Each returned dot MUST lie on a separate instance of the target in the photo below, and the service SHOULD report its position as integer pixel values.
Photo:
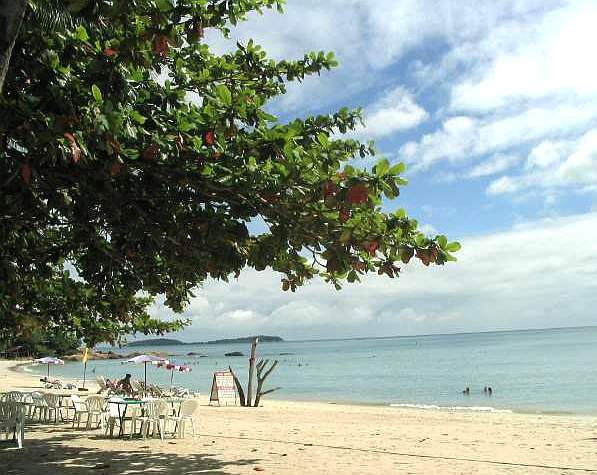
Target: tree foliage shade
(134, 152)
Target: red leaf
(434, 254)
(358, 265)
(424, 255)
(115, 169)
(70, 137)
(406, 255)
(152, 152)
(26, 173)
(358, 194)
(209, 137)
(110, 52)
(161, 46)
(74, 148)
(372, 248)
(344, 215)
(329, 189)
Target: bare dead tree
(262, 374)
(251, 371)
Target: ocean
(538, 371)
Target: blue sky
(493, 106)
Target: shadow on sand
(61, 454)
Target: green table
(123, 404)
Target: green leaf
(420, 240)
(346, 236)
(398, 169)
(453, 247)
(442, 241)
(81, 33)
(224, 94)
(382, 167)
(137, 117)
(97, 94)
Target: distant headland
(170, 341)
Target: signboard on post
(223, 390)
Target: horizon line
(421, 335)
(574, 327)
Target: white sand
(317, 438)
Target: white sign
(223, 390)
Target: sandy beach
(315, 438)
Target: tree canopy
(139, 159)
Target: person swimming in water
(466, 391)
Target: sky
(493, 107)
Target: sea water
(529, 371)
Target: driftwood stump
(262, 373)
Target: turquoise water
(529, 371)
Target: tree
(11, 16)
(133, 153)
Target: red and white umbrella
(172, 366)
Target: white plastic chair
(96, 405)
(12, 419)
(12, 396)
(27, 402)
(80, 410)
(187, 411)
(52, 406)
(39, 405)
(155, 415)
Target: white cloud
(453, 141)
(394, 112)
(545, 154)
(463, 138)
(496, 164)
(532, 276)
(368, 37)
(555, 165)
(504, 184)
(534, 61)
(525, 82)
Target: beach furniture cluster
(148, 411)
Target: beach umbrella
(146, 359)
(49, 360)
(172, 366)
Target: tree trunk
(261, 377)
(11, 17)
(239, 388)
(251, 372)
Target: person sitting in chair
(125, 384)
